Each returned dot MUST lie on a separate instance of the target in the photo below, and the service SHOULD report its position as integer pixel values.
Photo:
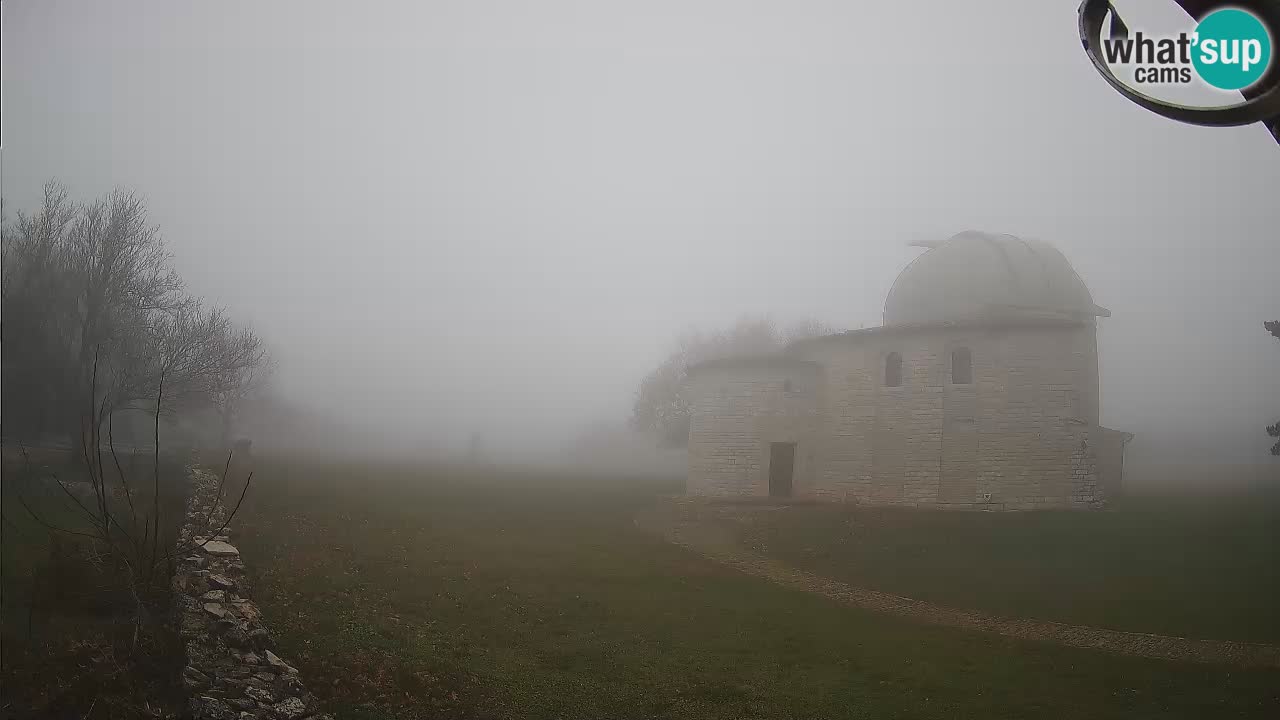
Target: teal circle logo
(1232, 49)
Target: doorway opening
(782, 465)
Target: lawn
(1191, 565)
(416, 592)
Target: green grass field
(1191, 565)
(408, 592)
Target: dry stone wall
(232, 672)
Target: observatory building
(979, 391)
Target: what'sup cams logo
(1230, 49)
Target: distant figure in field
(475, 452)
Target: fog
(451, 217)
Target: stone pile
(231, 672)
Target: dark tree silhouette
(94, 315)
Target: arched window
(893, 370)
(961, 366)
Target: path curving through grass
(688, 529)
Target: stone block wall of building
(1016, 436)
(738, 412)
(1022, 434)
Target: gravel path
(717, 543)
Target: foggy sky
(447, 216)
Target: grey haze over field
(496, 215)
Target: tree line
(96, 321)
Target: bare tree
(241, 385)
(127, 297)
(121, 517)
(95, 321)
(37, 302)
(97, 311)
